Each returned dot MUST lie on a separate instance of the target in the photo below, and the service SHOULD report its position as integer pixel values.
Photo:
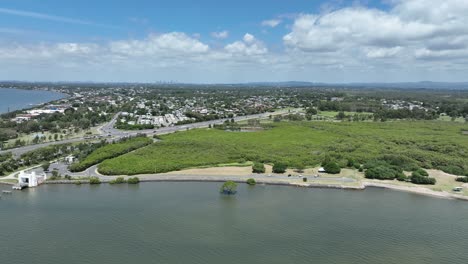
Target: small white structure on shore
(322, 170)
(31, 179)
(70, 159)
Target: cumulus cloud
(171, 43)
(411, 40)
(248, 46)
(410, 24)
(220, 35)
(173, 55)
(271, 23)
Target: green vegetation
(279, 167)
(110, 151)
(408, 145)
(94, 180)
(463, 179)
(134, 180)
(229, 188)
(420, 173)
(418, 179)
(384, 172)
(251, 181)
(332, 167)
(258, 168)
(118, 180)
(45, 166)
(125, 126)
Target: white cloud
(378, 53)
(411, 29)
(249, 38)
(271, 23)
(174, 43)
(220, 35)
(248, 46)
(412, 40)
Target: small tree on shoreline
(134, 180)
(229, 188)
(94, 180)
(251, 181)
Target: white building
(31, 179)
(70, 159)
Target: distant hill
(412, 85)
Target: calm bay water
(192, 223)
(16, 99)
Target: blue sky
(233, 41)
(111, 19)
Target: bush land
(110, 151)
(407, 145)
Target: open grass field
(430, 144)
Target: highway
(108, 131)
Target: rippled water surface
(14, 99)
(192, 223)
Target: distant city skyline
(210, 41)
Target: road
(110, 132)
(109, 129)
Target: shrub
(332, 167)
(134, 180)
(351, 163)
(400, 161)
(361, 169)
(421, 172)
(279, 167)
(45, 166)
(401, 177)
(423, 180)
(258, 167)
(78, 182)
(300, 168)
(383, 173)
(452, 169)
(94, 180)
(462, 179)
(118, 180)
(251, 181)
(375, 163)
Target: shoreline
(41, 104)
(347, 180)
(239, 179)
(415, 190)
